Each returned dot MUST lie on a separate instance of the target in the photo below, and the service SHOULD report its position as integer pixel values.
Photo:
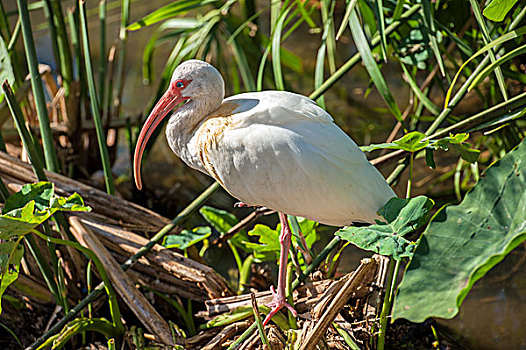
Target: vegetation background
(434, 89)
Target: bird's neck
(184, 123)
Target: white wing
(285, 153)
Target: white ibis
(274, 149)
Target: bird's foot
(241, 205)
(277, 303)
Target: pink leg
(278, 300)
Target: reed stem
(101, 137)
(38, 91)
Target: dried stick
(365, 272)
(135, 300)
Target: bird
(274, 149)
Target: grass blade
(64, 52)
(178, 26)
(102, 50)
(347, 338)
(261, 69)
(27, 139)
(242, 64)
(327, 10)
(121, 57)
(43, 267)
(259, 322)
(370, 64)
(101, 137)
(430, 24)
(494, 65)
(173, 9)
(12, 334)
(357, 57)
(381, 27)
(487, 39)
(419, 94)
(398, 9)
(38, 91)
(320, 59)
(345, 21)
(494, 44)
(304, 14)
(466, 49)
(112, 296)
(48, 13)
(275, 50)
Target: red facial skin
(171, 98)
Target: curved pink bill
(168, 101)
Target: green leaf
(221, 220)
(406, 215)
(224, 319)
(456, 143)
(40, 192)
(384, 243)
(411, 142)
(173, 9)
(498, 9)
(21, 221)
(11, 254)
(465, 241)
(72, 203)
(402, 216)
(186, 238)
(466, 152)
(370, 64)
(268, 248)
(430, 160)
(32, 205)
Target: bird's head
(192, 80)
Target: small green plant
(21, 214)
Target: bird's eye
(179, 84)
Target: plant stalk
(38, 91)
(102, 51)
(392, 275)
(63, 47)
(101, 137)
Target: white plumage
(285, 153)
(273, 148)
